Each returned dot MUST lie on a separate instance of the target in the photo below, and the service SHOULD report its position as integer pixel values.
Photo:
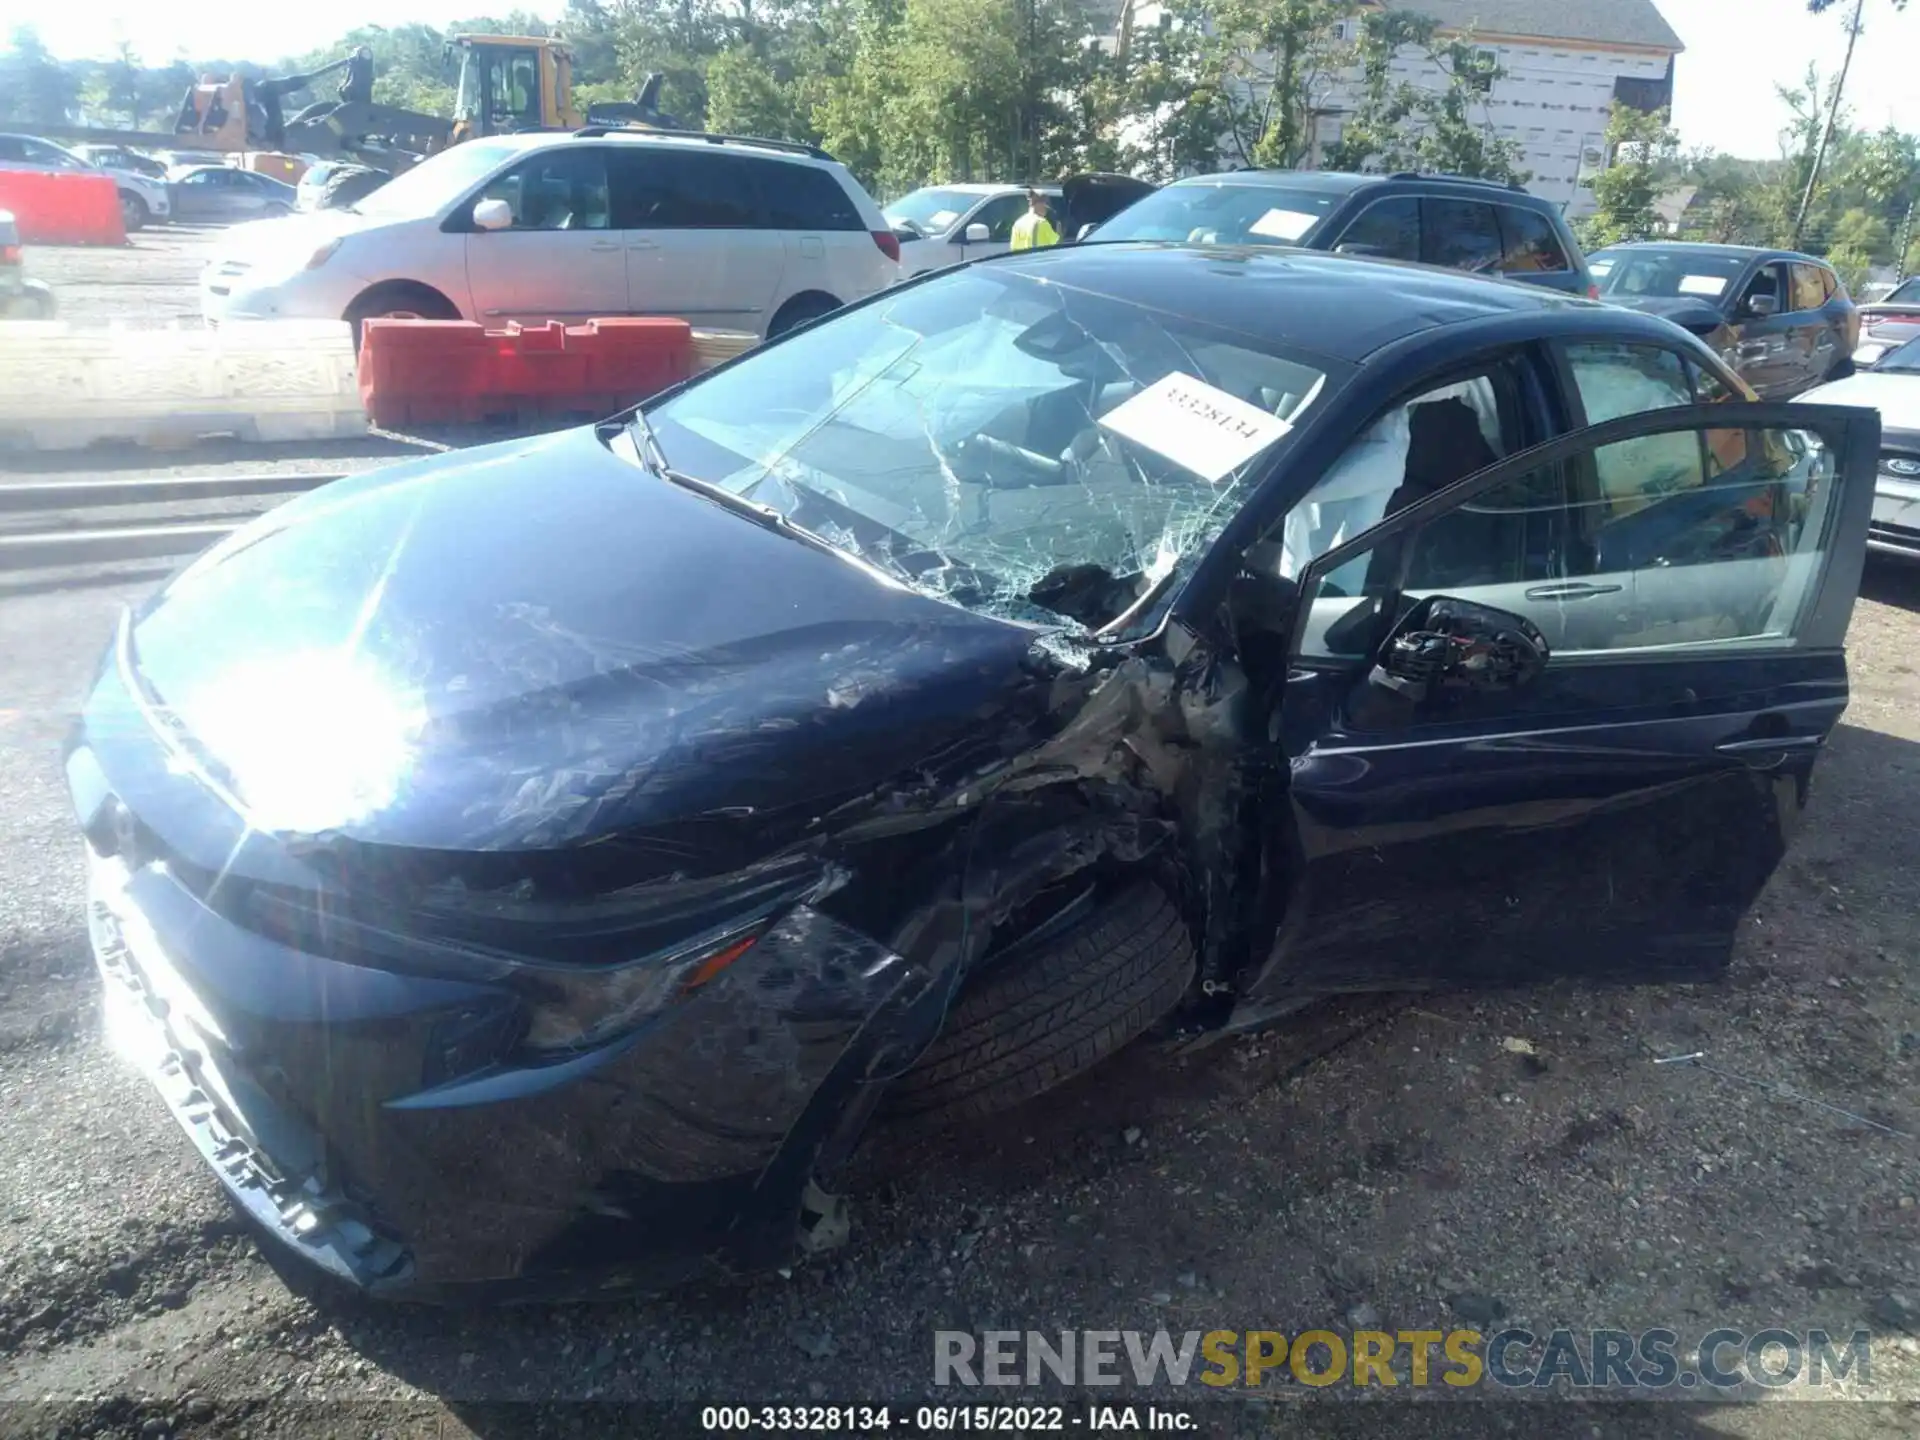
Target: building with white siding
(1566, 61)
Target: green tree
(1643, 153)
(1402, 124)
(35, 88)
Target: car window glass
(1808, 292)
(1531, 247)
(666, 188)
(1462, 235)
(999, 215)
(1412, 450)
(1720, 552)
(1829, 283)
(1708, 387)
(1389, 228)
(801, 197)
(11, 148)
(1615, 380)
(556, 190)
(1769, 280)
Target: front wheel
(1029, 1023)
(134, 213)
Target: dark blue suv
(1475, 225)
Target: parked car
(119, 157)
(531, 869)
(142, 200)
(947, 224)
(332, 184)
(1888, 323)
(730, 233)
(20, 298)
(227, 193)
(1474, 225)
(1782, 319)
(1892, 388)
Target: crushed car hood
(1686, 310)
(540, 643)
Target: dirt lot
(1407, 1166)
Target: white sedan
(1893, 388)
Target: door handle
(641, 245)
(1571, 590)
(606, 245)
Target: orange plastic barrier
(415, 372)
(63, 209)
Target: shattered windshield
(1015, 446)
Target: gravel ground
(1516, 1157)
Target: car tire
(1025, 1027)
(401, 299)
(134, 214)
(800, 310)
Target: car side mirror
(493, 215)
(1761, 306)
(975, 234)
(1449, 645)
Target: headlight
(320, 256)
(585, 1008)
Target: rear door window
(1531, 246)
(1808, 292)
(1462, 235)
(665, 188)
(801, 197)
(1387, 227)
(999, 215)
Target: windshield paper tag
(1701, 284)
(1191, 423)
(1283, 224)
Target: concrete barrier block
(63, 388)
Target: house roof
(1596, 22)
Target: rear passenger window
(1388, 227)
(662, 188)
(1808, 292)
(800, 197)
(1532, 248)
(999, 216)
(1462, 235)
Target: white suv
(142, 198)
(729, 233)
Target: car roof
(1346, 182)
(1342, 306)
(1723, 252)
(683, 139)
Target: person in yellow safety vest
(1033, 230)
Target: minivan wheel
(134, 214)
(799, 311)
(420, 301)
(1023, 1027)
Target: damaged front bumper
(686, 1146)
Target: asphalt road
(1516, 1159)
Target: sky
(1737, 50)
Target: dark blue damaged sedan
(531, 871)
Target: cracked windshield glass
(1021, 448)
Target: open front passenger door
(1560, 717)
